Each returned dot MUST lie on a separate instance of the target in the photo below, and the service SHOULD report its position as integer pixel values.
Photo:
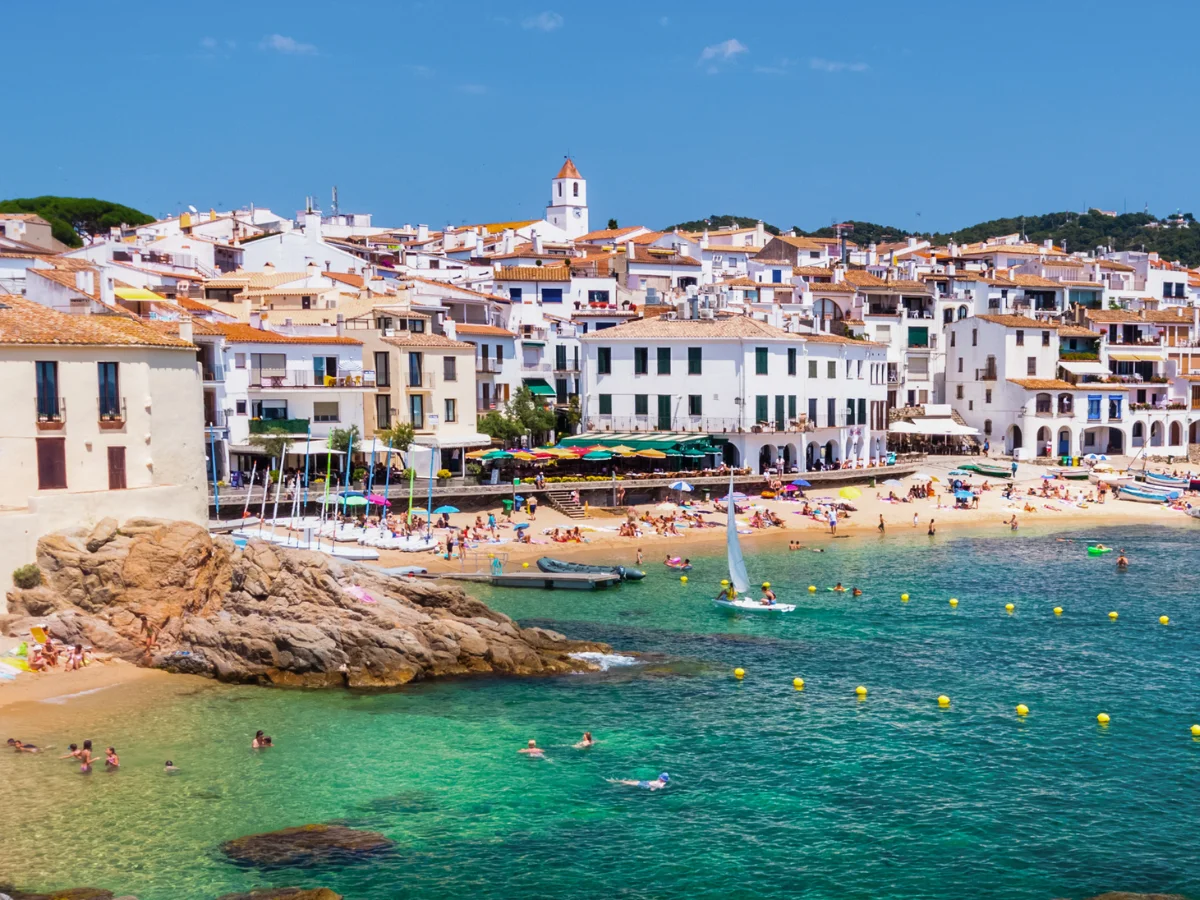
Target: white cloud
(724, 51)
(209, 43)
(544, 21)
(782, 67)
(473, 88)
(829, 65)
(664, 21)
(281, 43)
(421, 71)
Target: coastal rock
(169, 595)
(67, 894)
(306, 845)
(287, 893)
(1125, 895)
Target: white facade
(568, 209)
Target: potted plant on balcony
(443, 477)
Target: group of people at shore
(46, 656)
(86, 756)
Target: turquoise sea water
(774, 793)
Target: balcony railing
(285, 426)
(211, 373)
(424, 380)
(985, 374)
(51, 413)
(488, 366)
(111, 412)
(535, 366)
(305, 380)
(214, 418)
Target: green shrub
(27, 577)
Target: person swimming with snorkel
(657, 784)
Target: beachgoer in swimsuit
(1122, 562)
(259, 742)
(932, 530)
(85, 759)
(838, 588)
(170, 768)
(73, 754)
(21, 747)
(533, 751)
(111, 760)
(586, 741)
(857, 592)
(768, 595)
(656, 784)
(881, 526)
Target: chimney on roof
(422, 232)
(341, 325)
(185, 329)
(704, 240)
(912, 242)
(683, 249)
(256, 319)
(760, 234)
(506, 243)
(312, 270)
(872, 254)
(269, 265)
(537, 243)
(449, 239)
(450, 328)
(312, 223)
(628, 253)
(478, 244)
(1048, 244)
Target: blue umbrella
(445, 509)
(681, 486)
(800, 482)
(963, 495)
(520, 526)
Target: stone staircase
(565, 503)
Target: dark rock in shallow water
(1125, 895)
(67, 894)
(306, 845)
(286, 893)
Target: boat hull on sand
(560, 566)
(1166, 481)
(1142, 496)
(746, 604)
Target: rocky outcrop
(68, 894)
(167, 594)
(287, 893)
(305, 846)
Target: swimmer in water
(586, 741)
(1122, 561)
(857, 592)
(85, 759)
(838, 588)
(22, 747)
(260, 741)
(657, 784)
(112, 762)
(533, 751)
(170, 768)
(73, 752)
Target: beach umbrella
(445, 509)
(666, 506)
(800, 482)
(963, 495)
(378, 500)
(478, 454)
(735, 496)
(543, 454)
(921, 476)
(1049, 477)
(895, 482)
(598, 454)
(790, 488)
(651, 454)
(355, 501)
(496, 454)
(622, 449)
(960, 472)
(520, 525)
(681, 486)
(849, 493)
(419, 511)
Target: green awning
(538, 387)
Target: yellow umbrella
(849, 493)
(477, 454)
(622, 449)
(651, 454)
(523, 456)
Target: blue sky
(924, 115)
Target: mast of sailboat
(737, 564)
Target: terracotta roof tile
(823, 287)
(426, 339)
(238, 333)
(662, 256)
(1112, 315)
(1175, 315)
(482, 330)
(456, 287)
(345, 278)
(1037, 281)
(608, 234)
(1076, 331)
(864, 279)
(24, 321)
(568, 170)
(1054, 384)
(534, 273)
(813, 271)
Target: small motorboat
(1103, 473)
(991, 470)
(1167, 481)
(560, 566)
(1152, 488)
(1072, 473)
(748, 604)
(1140, 495)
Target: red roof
(568, 170)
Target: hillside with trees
(712, 223)
(71, 216)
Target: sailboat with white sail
(732, 595)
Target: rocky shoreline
(169, 595)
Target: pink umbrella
(378, 500)
(788, 488)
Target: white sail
(737, 565)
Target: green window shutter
(791, 406)
(641, 360)
(694, 360)
(606, 404)
(779, 411)
(604, 360)
(760, 408)
(791, 360)
(695, 405)
(812, 368)
(760, 360)
(664, 360)
(641, 404)
(833, 368)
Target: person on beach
(639, 556)
(1012, 524)
(112, 762)
(881, 525)
(833, 521)
(533, 751)
(586, 741)
(916, 520)
(1122, 561)
(22, 747)
(85, 759)
(932, 530)
(656, 784)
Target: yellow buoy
(1102, 718)
(683, 578)
(739, 673)
(798, 683)
(1022, 709)
(524, 565)
(1058, 610)
(860, 691)
(1164, 620)
(1009, 607)
(1113, 615)
(943, 700)
(812, 588)
(953, 602)
(1196, 731)
(904, 598)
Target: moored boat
(1166, 481)
(559, 566)
(1140, 495)
(992, 471)
(1073, 473)
(1103, 473)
